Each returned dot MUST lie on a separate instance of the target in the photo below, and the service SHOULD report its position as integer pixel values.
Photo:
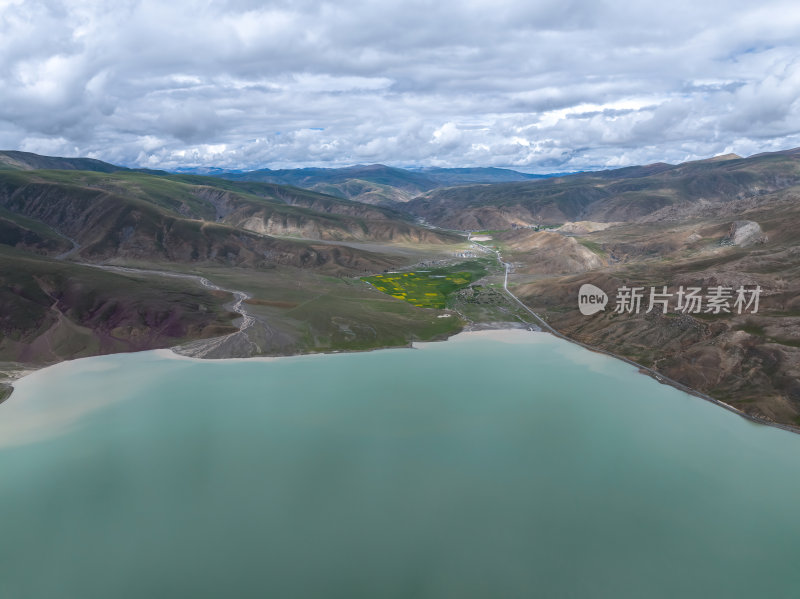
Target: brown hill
(657, 192)
(749, 360)
(549, 253)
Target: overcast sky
(543, 86)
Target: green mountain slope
(27, 161)
(139, 216)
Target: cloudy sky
(539, 85)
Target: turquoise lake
(492, 465)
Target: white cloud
(546, 85)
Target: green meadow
(426, 288)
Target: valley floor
(278, 311)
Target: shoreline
(170, 353)
(497, 334)
(13, 374)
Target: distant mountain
(308, 177)
(372, 184)
(366, 192)
(211, 171)
(26, 161)
(655, 192)
(447, 177)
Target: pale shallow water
(491, 465)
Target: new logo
(591, 299)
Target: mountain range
(374, 183)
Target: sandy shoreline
(509, 335)
(506, 335)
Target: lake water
(493, 465)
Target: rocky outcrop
(744, 233)
(584, 226)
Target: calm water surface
(513, 465)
